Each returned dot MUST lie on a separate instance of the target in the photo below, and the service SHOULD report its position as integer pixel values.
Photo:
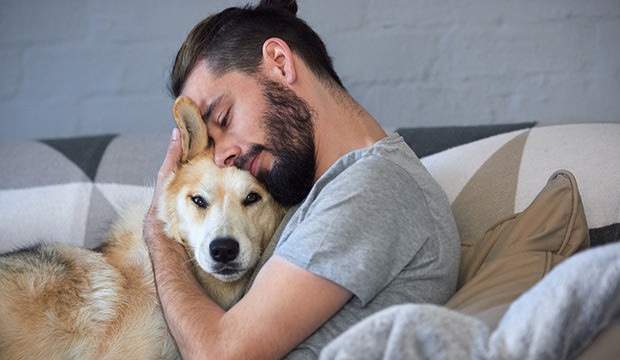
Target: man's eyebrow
(211, 107)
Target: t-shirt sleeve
(362, 228)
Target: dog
(59, 301)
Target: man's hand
(153, 227)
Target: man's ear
(278, 60)
(193, 130)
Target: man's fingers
(173, 156)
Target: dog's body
(64, 302)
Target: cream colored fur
(64, 302)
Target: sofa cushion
(495, 177)
(499, 176)
(519, 250)
(69, 190)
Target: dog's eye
(200, 201)
(251, 199)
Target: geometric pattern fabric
(498, 176)
(479, 211)
(69, 190)
(84, 152)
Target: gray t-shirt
(377, 224)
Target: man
(373, 228)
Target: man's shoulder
(387, 163)
(371, 181)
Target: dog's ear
(193, 130)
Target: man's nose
(226, 156)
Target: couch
(526, 197)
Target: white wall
(81, 67)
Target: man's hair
(233, 40)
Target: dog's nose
(224, 249)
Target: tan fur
(64, 302)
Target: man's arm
(284, 306)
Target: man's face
(260, 126)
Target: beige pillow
(519, 250)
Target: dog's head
(223, 216)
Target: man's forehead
(207, 88)
(198, 82)
(203, 90)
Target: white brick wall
(76, 67)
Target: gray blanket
(555, 319)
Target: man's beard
(290, 139)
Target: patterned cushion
(68, 190)
(495, 177)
